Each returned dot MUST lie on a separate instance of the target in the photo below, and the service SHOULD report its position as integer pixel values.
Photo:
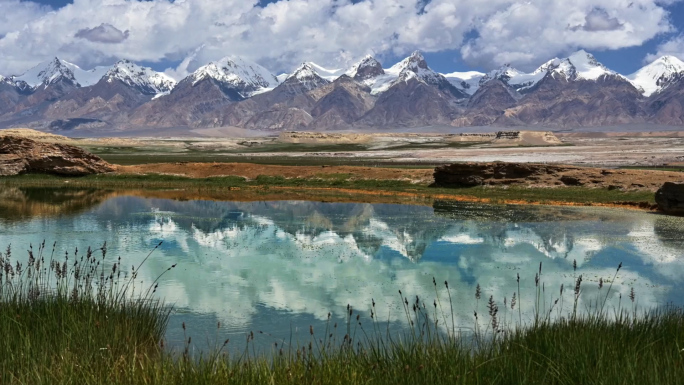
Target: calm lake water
(281, 266)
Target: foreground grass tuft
(77, 322)
(73, 321)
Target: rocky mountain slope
(576, 91)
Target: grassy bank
(77, 322)
(329, 186)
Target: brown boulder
(670, 198)
(21, 155)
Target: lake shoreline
(355, 184)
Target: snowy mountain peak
(504, 73)
(238, 73)
(582, 56)
(304, 72)
(307, 77)
(671, 61)
(657, 75)
(144, 79)
(582, 65)
(413, 66)
(417, 57)
(47, 73)
(53, 71)
(415, 63)
(365, 69)
(548, 66)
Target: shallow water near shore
(279, 267)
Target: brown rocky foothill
(22, 155)
(545, 175)
(670, 198)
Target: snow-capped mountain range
(245, 74)
(408, 93)
(581, 65)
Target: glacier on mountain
(657, 75)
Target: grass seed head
(578, 285)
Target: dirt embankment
(544, 175)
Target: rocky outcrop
(670, 198)
(544, 175)
(497, 173)
(21, 155)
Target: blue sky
(462, 50)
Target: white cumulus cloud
(330, 32)
(674, 47)
(525, 34)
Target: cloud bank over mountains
(283, 33)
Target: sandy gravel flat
(600, 152)
(601, 149)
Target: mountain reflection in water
(275, 265)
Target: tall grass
(77, 322)
(71, 318)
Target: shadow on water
(18, 203)
(517, 213)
